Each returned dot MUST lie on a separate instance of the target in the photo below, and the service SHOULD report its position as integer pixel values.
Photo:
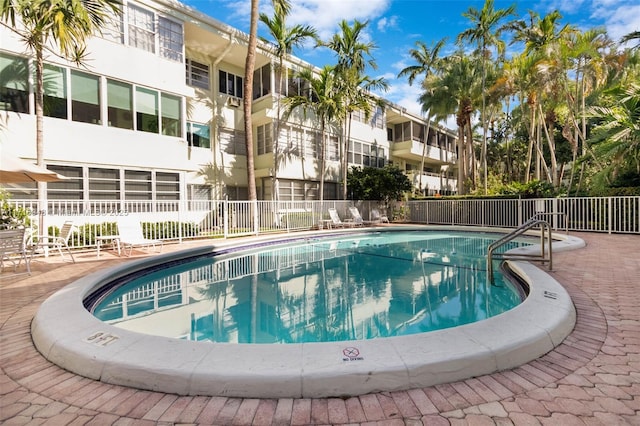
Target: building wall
(221, 48)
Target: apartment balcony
(411, 150)
(432, 182)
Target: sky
(394, 26)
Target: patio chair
(335, 219)
(56, 242)
(357, 217)
(377, 217)
(130, 235)
(13, 249)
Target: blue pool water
(357, 286)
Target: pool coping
(86, 346)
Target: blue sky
(395, 25)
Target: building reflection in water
(358, 287)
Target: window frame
(16, 98)
(197, 74)
(227, 79)
(81, 111)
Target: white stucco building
(159, 101)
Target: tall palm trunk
(275, 188)
(549, 129)
(532, 106)
(424, 150)
(461, 152)
(247, 103)
(42, 186)
(472, 165)
(322, 160)
(345, 155)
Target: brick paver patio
(593, 378)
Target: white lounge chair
(357, 217)
(13, 249)
(336, 221)
(376, 217)
(56, 243)
(130, 235)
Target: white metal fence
(595, 214)
(178, 220)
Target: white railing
(179, 220)
(595, 214)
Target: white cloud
(623, 21)
(325, 15)
(387, 23)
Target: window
(366, 156)
(311, 144)
(146, 110)
(120, 104)
(377, 120)
(197, 74)
(170, 39)
(235, 193)
(141, 28)
(358, 115)
(167, 186)
(171, 123)
(85, 97)
(104, 184)
(14, 85)
(262, 81)
(231, 84)
(355, 152)
(55, 91)
(381, 158)
(417, 132)
(294, 145)
(297, 190)
(265, 139)
(113, 28)
(232, 142)
(199, 192)
(198, 135)
(137, 185)
(68, 189)
(332, 149)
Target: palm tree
(616, 139)
(589, 53)
(543, 45)
(324, 100)
(247, 102)
(456, 90)
(66, 25)
(427, 60)
(285, 39)
(353, 57)
(486, 29)
(635, 35)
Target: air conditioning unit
(233, 102)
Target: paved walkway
(593, 378)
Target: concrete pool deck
(593, 377)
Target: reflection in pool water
(357, 286)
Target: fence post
(181, 206)
(609, 213)
(519, 211)
(225, 217)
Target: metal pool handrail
(544, 256)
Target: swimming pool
(68, 335)
(361, 286)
